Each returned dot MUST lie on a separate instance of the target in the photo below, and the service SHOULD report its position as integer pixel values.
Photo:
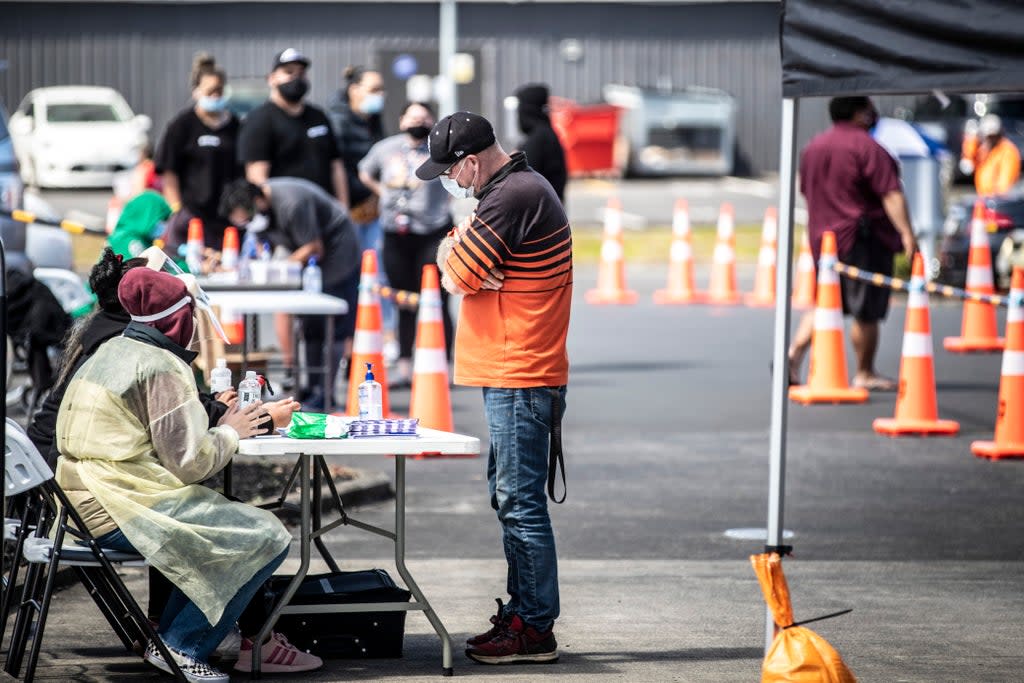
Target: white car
(76, 136)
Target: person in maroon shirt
(852, 187)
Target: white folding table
(310, 470)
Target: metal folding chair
(25, 470)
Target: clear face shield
(207, 324)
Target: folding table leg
(320, 472)
(435, 621)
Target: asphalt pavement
(666, 437)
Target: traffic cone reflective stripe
(611, 275)
(722, 288)
(979, 331)
(430, 400)
(367, 343)
(916, 403)
(767, 258)
(803, 294)
(827, 380)
(1009, 432)
(680, 288)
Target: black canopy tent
(868, 47)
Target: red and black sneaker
(500, 623)
(517, 644)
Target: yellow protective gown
(134, 443)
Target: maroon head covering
(159, 300)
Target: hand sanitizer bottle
(371, 397)
(220, 377)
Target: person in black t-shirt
(286, 136)
(198, 156)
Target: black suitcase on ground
(339, 635)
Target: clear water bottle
(312, 277)
(248, 389)
(371, 397)
(220, 377)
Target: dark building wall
(145, 50)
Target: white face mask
(372, 103)
(258, 223)
(453, 187)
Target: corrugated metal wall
(145, 51)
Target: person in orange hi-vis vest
(994, 160)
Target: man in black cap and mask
(287, 136)
(511, 259)
(543, 150)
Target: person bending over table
(298, 216)
(134, 442)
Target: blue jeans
(520, 423)
(183, 626)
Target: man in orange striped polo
(512, 262)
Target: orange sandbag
(798, 654)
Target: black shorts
(866, 302)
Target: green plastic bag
(318, 426)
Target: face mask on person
(294, 90)
(212, 105)
(418, 132)
(372, 103)
(453, 187)
(258, 223)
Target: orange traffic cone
(233, 324)
(611, 276)
(827, 380)
(722, 289)
(979, 331)
(764, 282)
(1009, 439)
(430, 400)
(195, 246)
(368, 343)
(680, 289)
(229, 251)
(916, 409)
(803, 292)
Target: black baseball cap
(452, 138)
(290, 56)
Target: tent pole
(780, 355)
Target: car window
(80, 112)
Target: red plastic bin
(588, 134)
